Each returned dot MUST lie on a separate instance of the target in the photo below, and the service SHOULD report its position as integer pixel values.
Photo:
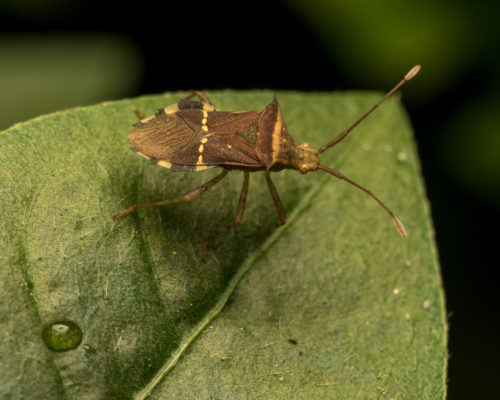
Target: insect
(195, 136)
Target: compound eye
(305, 145)
(304, 168)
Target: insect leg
(202, 96)
(139, 114)
(239, 216)
(279, 208)
(187, 197)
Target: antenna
(340, 175)
(342, 135)
(337, 139)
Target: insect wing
(197, 138)
(161, 136)
(214, 149)
(228, 138)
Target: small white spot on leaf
(402, 156)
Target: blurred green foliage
(470, 148)
(40, 10)
(44, 73)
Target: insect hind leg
(187, 197)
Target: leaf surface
(364, 306)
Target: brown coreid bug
(194, 136)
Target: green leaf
(364, 305)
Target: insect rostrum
(194, 136)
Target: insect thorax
(301, 158)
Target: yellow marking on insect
(164, 164)
(202, 141)
(144, 155)
(203, 167)
(171, 109)
(144, 120)
(161, 163)
(276, 135)
(205, 118)
(207, 108)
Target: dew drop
(62, 335)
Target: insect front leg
(239, 215)
(187, 197)
(279, 208)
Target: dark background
(56, 54)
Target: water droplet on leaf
(62, 335)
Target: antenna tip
(399, 226)
(412, 72)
